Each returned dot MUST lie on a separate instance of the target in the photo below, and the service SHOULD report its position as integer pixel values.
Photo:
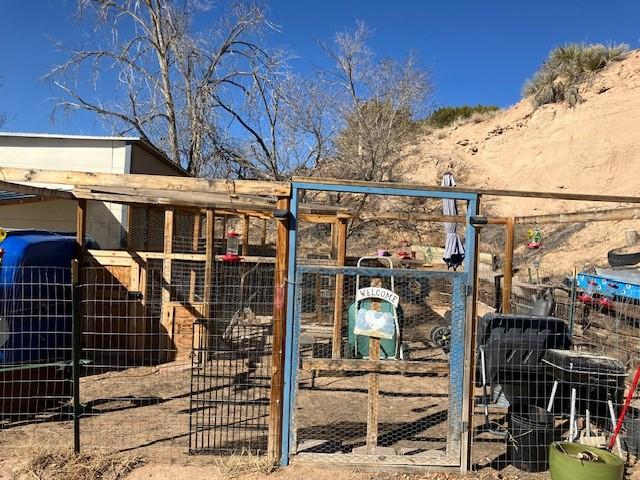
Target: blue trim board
(390, 190)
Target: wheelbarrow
(383, 305)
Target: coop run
(313, 321)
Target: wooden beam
(610, 215)
(172, 199)
(373, 399)
(160, 182)
(209, 264)
(380, 366)
(479, 191)
(279, 329)
(317, 218)
(507, 268)
(341, 253)
(167, 312)
(245, 235)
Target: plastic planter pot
(564, 463)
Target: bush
(559, 77)
(445, 116)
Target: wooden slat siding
(373, 399)
(197, 219)
(40, 192)
(372, 366)
(479, 191)
(341, 253)
(124, 258)
(167, 312)
(279, 328)
(245, 235)
(160, 182)
(508, 265)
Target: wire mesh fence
(399, 407)
(555, 368)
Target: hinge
(464, 427)
(468, 289)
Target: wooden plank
(124, 258)
(317, 218)
(245, 235)
(39, 192)
(166, 315)
(508, 265)
(279, 329)
(160, 182)
(380, 366)
(373, 399)
(173, 199)
(341, 239)
(479, 191)
(610, 215)
(197, 219)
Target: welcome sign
(379, 293)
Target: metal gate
(403, 409)
(354, 399)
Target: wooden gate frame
(470, 267)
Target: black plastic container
(531, 431)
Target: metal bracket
(468, 290)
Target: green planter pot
(565, 466)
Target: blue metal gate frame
(290, 353)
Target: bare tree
(375, 104)
(185, 91)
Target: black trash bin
(531, 431)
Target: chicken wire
(419, 399)
(35, 349)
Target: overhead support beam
(349, 185)
(609, 215)
(162, 182)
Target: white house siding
(104, 220)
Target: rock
(464, 142)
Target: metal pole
(76, 332)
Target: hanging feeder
(232, 253)
(535, 238)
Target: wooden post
(167, 315)
(209, 264)
(508, 264)
(245, 235)
(76, 327)
(263, 236)
(373, 399)
(197, 218)
(279, 328)
(341, 253)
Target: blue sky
(477, 51)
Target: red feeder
(232, 253)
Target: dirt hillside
(591, 148)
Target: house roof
(144, 144)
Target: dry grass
(244, 463)
(65, 465)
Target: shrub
(445, 116)
(559, 77)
